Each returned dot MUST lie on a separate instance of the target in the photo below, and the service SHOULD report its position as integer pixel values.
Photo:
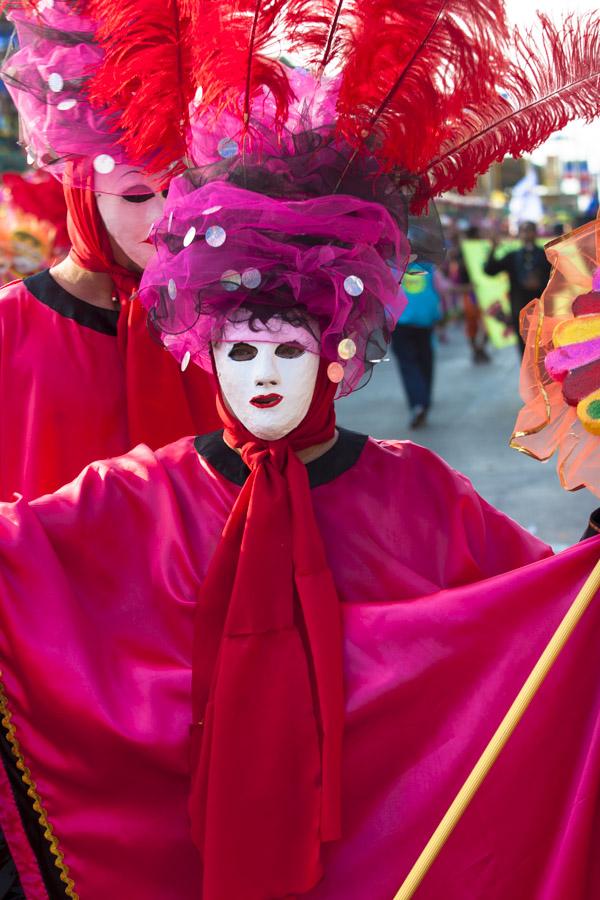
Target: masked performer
(80, 378)
(258, 664)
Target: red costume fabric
(62, 387)
(446, 605)
(267, 774)
(79, 383)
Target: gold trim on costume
(530, 453)
(32, 792)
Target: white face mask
(129, 202)
(267, 383)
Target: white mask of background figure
(129, 202)
(267, 376)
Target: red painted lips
(266, 401)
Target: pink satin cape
(98, 585)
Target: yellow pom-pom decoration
(573, 331)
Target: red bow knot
(267, 679)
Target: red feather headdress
(437, 91)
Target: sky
(524, 10)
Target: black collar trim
(50, 293)
(337, 460)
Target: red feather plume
(322, 31)
(412, 66)
(554, 77)
(145, 80)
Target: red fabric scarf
(162, 403)
(267, 682)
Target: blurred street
(469, 425)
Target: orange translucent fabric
(547, 424)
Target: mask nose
(266, 371)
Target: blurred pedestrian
(412, 340)
(528, 271)
(458, 275)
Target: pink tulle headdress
(59, 50)
(222, 249)
(284, 219)
(47, 76)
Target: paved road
(470, 424)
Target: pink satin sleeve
(61, 396)
(402, 523)
(98, 584)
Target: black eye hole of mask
(242, 352)
(290, 350)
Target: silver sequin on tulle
(30, 159)
(170, 222)
(186, 360)
(104, 164)
(215, 236)
(231, 280)
(347, 349)
(354, 285)
(227, 148)
(251, 279)
(55, 82)
(198, 96)
(211, 210)
(172, 289)
(189, 236)
(66, 104)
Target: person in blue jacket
(412, 340)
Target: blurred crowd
(487, 278)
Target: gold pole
(504, 731)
